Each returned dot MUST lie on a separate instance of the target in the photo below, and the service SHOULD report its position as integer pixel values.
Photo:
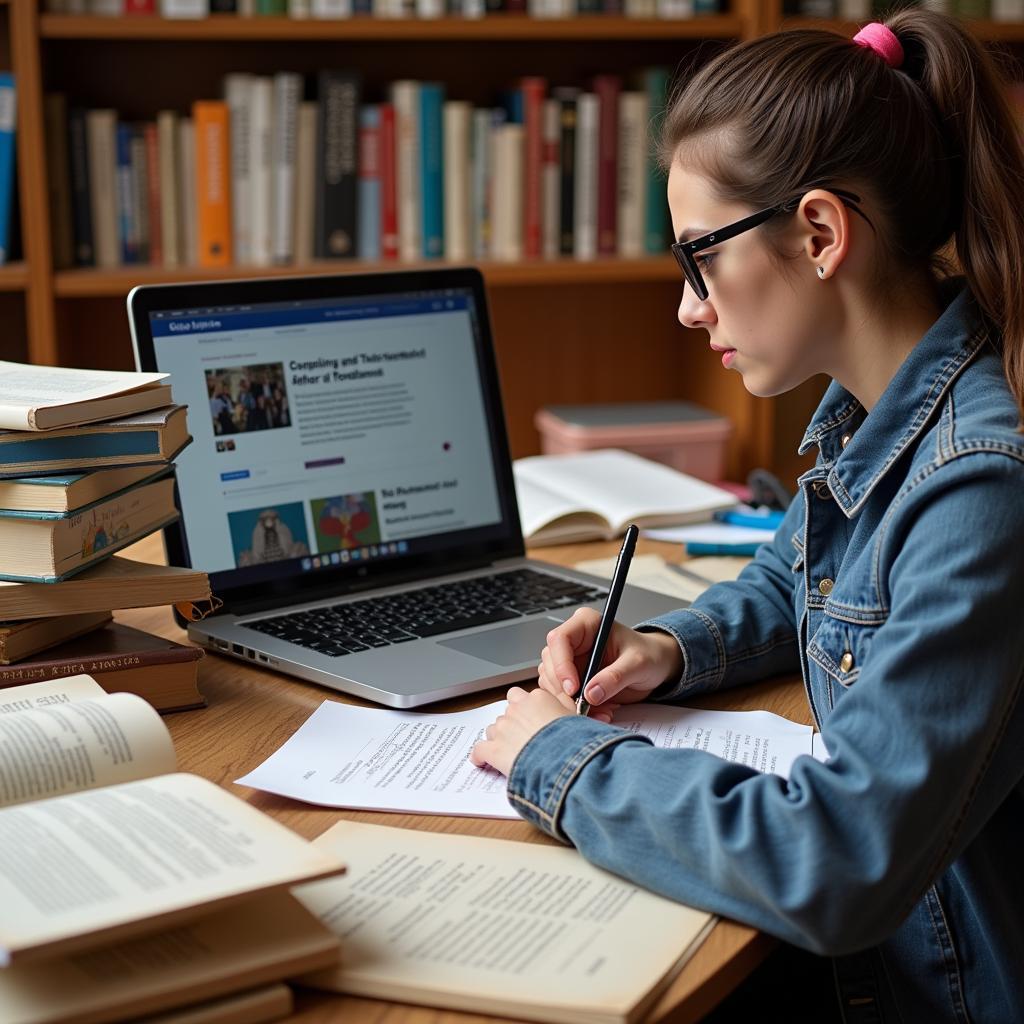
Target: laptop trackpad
(506, 645)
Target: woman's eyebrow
(688, 234)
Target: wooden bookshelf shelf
(493, 28)
(986, 31)
(99, 283)
(13, 276)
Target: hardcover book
(121, 660)
(146, 439)
(20, 640)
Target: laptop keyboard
(397, 618)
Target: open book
(595, 495)
(99, 845)
(524, 930)
(44, 397)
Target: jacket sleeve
(742, 630)
(925, 747)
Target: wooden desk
(252, 712)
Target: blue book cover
(432, 167)
(125, 194)
(8, 117)
(368, 235)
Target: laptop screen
(338, 436)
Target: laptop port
(235, 648)
(263, 657)
(250, 653)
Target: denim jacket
(896, 587)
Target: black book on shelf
(223, 6)
(337, 166)
(566, 97)
(81, 213)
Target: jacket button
(846, 662)
(821, 490)
(845, 439)
(825, 586)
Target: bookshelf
(566, 330)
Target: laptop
(349, 487)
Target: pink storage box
(679, 434)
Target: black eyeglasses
(686, 252)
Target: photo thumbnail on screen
(247, 398)
(270, 533)
(345, 521)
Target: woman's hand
(525, 716)
(634, 663)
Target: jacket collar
(876, 441)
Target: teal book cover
(657, 234)
(8, 109)
(432, 167)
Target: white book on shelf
(184, 8)
(458, 193)
(675, 9)
(247, 8)
(331, 9)
(473, 8)
(170, 216)
(405, 97)
(632, 173)
(551, 185)
(287, 96)
(507, 200)
(105, 8)
(305, 181)
(480, 170)
(101, 146)
(859, 10)
(188, 208)
(430, 8)
(299, 9)
(237, 93)
(585, 197)
(261, 178)
(1007, 10)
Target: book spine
(139, 180)
(481, 165)
(305, 182)
(656, 222)
(213, 182)
(369, 233)
(38, 672)
(101, 130)
(550, 180)
(585, 220)
(533, 91)
(331, 9)
(458, 115)
(408, 186)
(261, 177)
(8, 115)
(127, 234)
(224, 6)
(507, 192)
(187, 206)
(184, 8)
(154, 186)
(81, 195)
(567, 172)
(432, 168)
(140, 7)
(608, 89)
(337, 166)
(59, 184)
(167, 158)
(287, 95)
(238, 94)
(632, 177)
(388, 184)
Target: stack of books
(86, 469)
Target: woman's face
(767, 319)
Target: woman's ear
(824, 227)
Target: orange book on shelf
(213, 182)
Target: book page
(407, 761)
(261, 939)
(51, 693)
(80, 744)
(524, 929)
(24, 388)
(623, 487)
(78, 868)
(539, 506)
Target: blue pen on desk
(696, 547)
(756, 519)
(611, 604)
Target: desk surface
(251, 712)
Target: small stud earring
(821, 273)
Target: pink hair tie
(883, 41)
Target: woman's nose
(694, 312)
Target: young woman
(820, 189)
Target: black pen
(611, 604)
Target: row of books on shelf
(997, 10)
(340, 9)
(264, 177)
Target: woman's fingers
(574, 635)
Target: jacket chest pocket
(839, 649)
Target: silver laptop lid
(348, 431)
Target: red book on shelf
(140, 6)
(533, 89)
(388, 185)
(608, 88)
(156, 247)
